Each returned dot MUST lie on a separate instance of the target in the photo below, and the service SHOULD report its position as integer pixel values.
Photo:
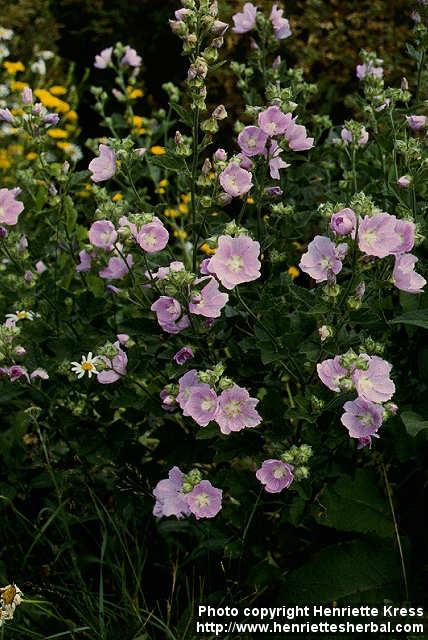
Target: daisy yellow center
(202, 500)
(88, 366)
(22, 314)
(235, 263)
(232, 408)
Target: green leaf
(170, 162)
(413, 422)
(356, 504)
(417, 318)
(355, 572)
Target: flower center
(370, 237)
(207, 404)
(150, 239)
(325, 262)
(271, 127)
(231, 181)
(278, 473)
(235, 263)
(202, 500)
(21, 314)
(232, 408)
(88, 366)
(251, 142)
(366, 419)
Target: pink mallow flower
(274, 122)
(347, 136)
(235, 181)
(236, 260)
(115, 368)
(131, 58)
(103, 59)
(169, 314)
(374, 384)
(276, 163)
(252, 141)
(416, 122)
(343, 222)
(297, 137)
(117, 268)
(236, 410)
(185, 385)
(404, 275)
(153, 237)
(245, 20)
(362, 418)
(281, 26)
(210, 300)
(85, 262)
(382, 235)
(170, 501)
(201, 404)
(331, 373)
(204, 500)
(369, 69)
(102, 234)
(183, 355)
(321, 258)
(104, 166)
(10, 207)
(404, 181)
(275, 475)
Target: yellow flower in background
(15, 149)
(31, 155)
(185, 197)
(71, 115)
(86, 191)
(205, 248)
(133, 94)
(180, 234)
(137, 121)
(57, 133)
(5, 163)
(250, 200)
(157, 150)
(51, 102)
(13, 67)
(183, 208)
(117, 196)
(18, 86)
(63, 145)
(293, 272)
(171, 213)
(58, 90)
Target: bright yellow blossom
(250, 200)
(117, 196)
(157, 150)
(31, 155)
(205, 248)
(57, 133)
(171, 213)
(180, 234)
(183, 208)
(133, 94)
(293, 272)
(58, 90)
(16, 85)
(4, 160)
(51, 102)
(13, 67)
(71, 115)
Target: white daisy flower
(87, 365)
(6, 34)
(20, 315)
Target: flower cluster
(183, 495)
(369, 377)
(279, 474)
(208, 396)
